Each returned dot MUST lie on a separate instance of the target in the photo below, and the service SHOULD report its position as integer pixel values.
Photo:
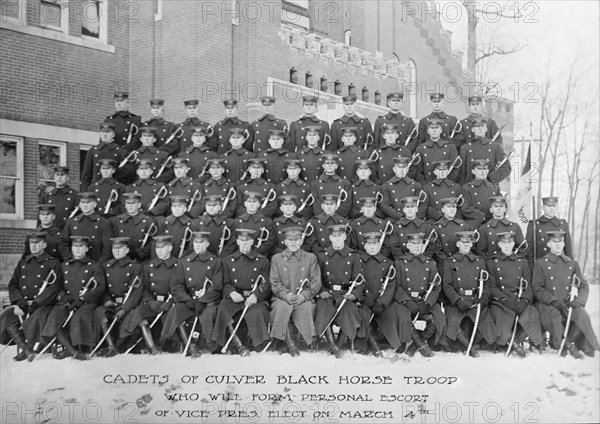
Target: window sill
(52, 34)
(29, 224)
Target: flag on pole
(520, 209)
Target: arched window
(410, 88)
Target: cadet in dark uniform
(380, 285)
(223, 127)
(537, 240)
(446, 228)
(178, 226)
(460, 282)
(164, 129)
(252, 219)
(150, 190)
(236, 157)
(476, 207)
(349, 153)
(480, 147)
(310, 156)
(288, 218)
(295, 186)
(63, 197)
(487, 245)
(320, 240)
(158, 158)
(46, 218)
(389, 150)
(192, 122)
(255, 183)
(309, 118)
(196, 289)
(406, 126)
(363, 186)
(399, 187)
(435, 149)
(126, 123)
(295, 279)
(259, 129)
(448, 121)
(329, 182)
(84, 285)
(123, 294)
(466, 135)
(156, 299)
(553, 277)
(106, 149)
(216, 185)
(222, 239)
(32, 291)
(182, 185)
(508, 272)
(89, 224)
(364, 129)
(198, 154)
(368, 223)
(439, 188)
(108, 191)
(416, 274)
(340, 265)
(241, 271)
(407, 225)
(134, 226)
(275, 157)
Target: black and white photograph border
(534, 63)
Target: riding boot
(241, 349)
(332, 346)
(341, 340)
(112, 350)
(19, 338)
(289, 341)
(374, 346)
(147, 335)
(463, 340)
(193, 349)
(421, 345)
(570, 346)
(63, 338)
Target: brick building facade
(62, 61)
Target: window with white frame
(94, 21)
(51, 153)
(11, 177)
(13, 11)
(296, 13)
(54, 14)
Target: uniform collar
(406, 179)
(121, 262)
(443, 221)
(110, 181)
(494, 222)
(169, 262)
(324, 219)
(354, 118)
(365, 257)
(149, 149)
(221, 181)
(343, 253)
(554, 258)
(410, 257)
(252, 254)
(396, 115)
(441, 142)
(363, 219)
(232, 119)
(316, 150)
(241, 151)
(555, 220)
(352, 148)
(92, 217)
(159, 121)
(122, 114)
(135, 218)
(297, 182)
(482, 140)
(470, 256)
(200, 257)
(441, 114)
(284, 220)
(478, 183)
(439, 181)
(268, 116)
(66, 189)
(192, 121)
(324, 177)
(299, 255)
(312, 118)
(109, 146)
(85, 260)
(256, 217)
(502, 257)
(184, 181)
(39, 258)
(201, 148)
(357, 182)
(395, 146)
(278, 151)
(184, 219)
(217, 219)
(147, 181)
(404, 221)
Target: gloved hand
(298, 299)
(412, 306)
(165, 306)
(200, 307)
(251, 300)
(423, 307)
(561, 306)
(463, 305)
(154, 306)
(191, 304)
(236, 297)
(368, 302)
(575, 303)
(76, 304)
(350, 297)
(483, 300)
(120, 314)
(521, 306)
(325, 295)
(109, 304)
(378, 308)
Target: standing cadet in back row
(62, 196)
(448, 123)
(126, 123)
(308, 119)
(407, 132)
(364, 130)
(223, 127)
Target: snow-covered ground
(273, 388)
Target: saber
(391, 274)
(204, 169)
(151, 232)
(210, 131)
(134, 284)
(457, 128)
(572, 294)
(457, 163)
(197, 295)
(162, 193)
(356, 282)
(460, 200)
(72, 214)
(342, 197)
(478, 237)
(378, 197)
(83, 291)
(431, 238)
(245, 173)
(151, 325)
(506, 158)
(422, 197)
(368, 141)
(309, 201)
(522, 286)
(197, 196)
(483, 276)
(113, 197)
(387, 231)
(374, 157)
(326, 141)
(226, 235)
(413, 133)
(164, 166)
(264, 236)
(437, 280)
(259, 279)
(133, 130)
(499, 132)
(131, 157)
(415, 160)
(177, 133)
(48, 281)
(522, 247)
(271, 195)
(231, 194)
(187, 236)
(308, 231)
